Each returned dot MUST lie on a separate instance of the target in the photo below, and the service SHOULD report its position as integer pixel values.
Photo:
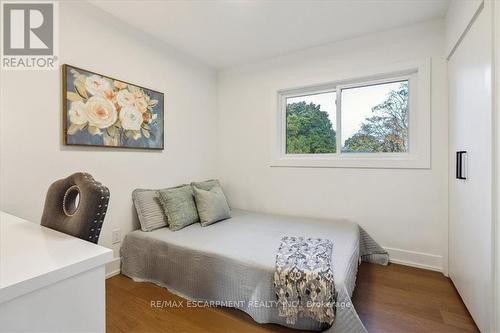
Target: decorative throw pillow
(212, 205)
(179, 206)
(149, 210)
(208, 185)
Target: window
(310, 124)
(370, 122)
(375, 118)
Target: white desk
(49, 281)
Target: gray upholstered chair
(76, 205)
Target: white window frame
(418, 154)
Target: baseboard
(416, 259)
(113, 273)
(113, 268)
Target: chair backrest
(76, 205)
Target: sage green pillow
(212, 205)
(207, 184)
(179, 206)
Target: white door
(470, 233)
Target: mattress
(231, 263)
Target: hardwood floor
(398, 298)
(390, 298)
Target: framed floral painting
(101, 111)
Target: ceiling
(223, 33)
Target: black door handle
(459, 171)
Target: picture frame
(101, 111)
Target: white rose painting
(101, 111)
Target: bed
(232, 262)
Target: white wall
(496, 167)
(31, 150)
(458, 17)
(405, 210)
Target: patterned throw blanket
(303, 279)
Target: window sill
(397, 161)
